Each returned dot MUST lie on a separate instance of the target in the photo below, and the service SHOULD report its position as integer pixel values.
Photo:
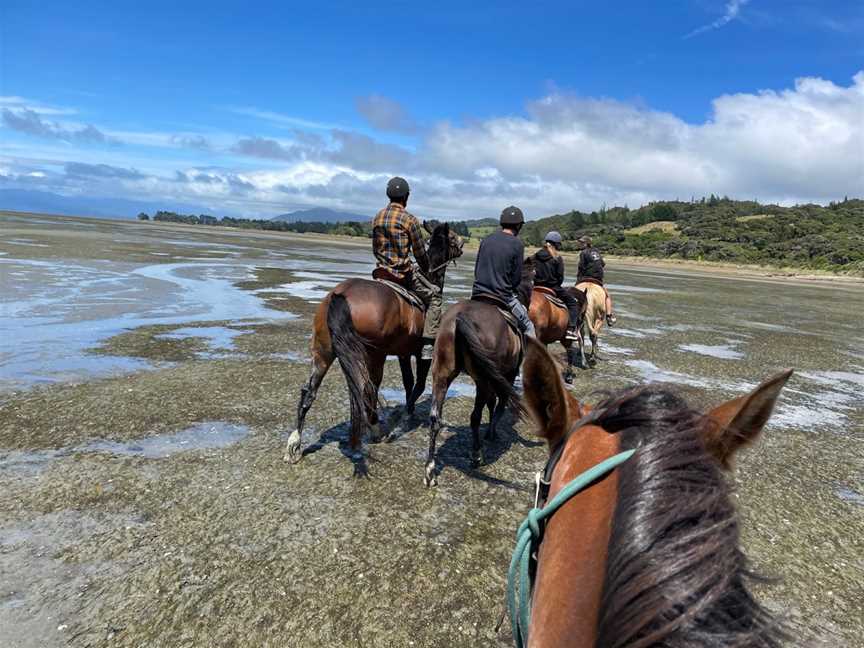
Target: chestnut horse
(649, 554)
(474, 337)
(361, 322)
(551, 323)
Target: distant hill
(50, 203)
(322, 215)
(721, 229)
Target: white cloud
(804, 143)
(280, 119)
(733, 8)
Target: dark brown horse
(361, 322)
(475, 338)
(551, 323)
(648, 555)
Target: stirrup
(572, 334)
(426, 352)
(611, 320)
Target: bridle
(523, 565)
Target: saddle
(397, 285)
(502, 308)
(550, 296)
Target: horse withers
(361, 322)
(649, 554)
(551, 321)
(475, 337)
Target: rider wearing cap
(498, 270)
(591, 267)
(395, 236)
(549, 273)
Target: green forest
(707, 229)
(721, 229)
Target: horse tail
(350, 348)
(484, 363)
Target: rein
(523, 565)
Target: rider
(395, 235)
(591, 265)
(549, 273)
(498, 270)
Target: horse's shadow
(455, 452)
(393, 419)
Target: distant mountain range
(322, 215)
(29, 200)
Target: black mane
(675, 573)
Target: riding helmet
(397, 188)
(512, 216)
(554, 238)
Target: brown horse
(648, 555)
(595, 315)
(551, 323)
(474, 337)
(361, 322)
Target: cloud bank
(800, 144)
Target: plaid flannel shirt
(395, 234)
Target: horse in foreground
(475, 337)
(649, 554)
(550, 318)
(361, 322)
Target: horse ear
(427, 226)
(545, 397)
(739, 422)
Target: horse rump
(351, 350)
(484, 362)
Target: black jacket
(498, 270)
(591, 264)
(548, 270)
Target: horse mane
(675, 572)
(527, 285)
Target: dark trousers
(574, 308)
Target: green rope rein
(528, 539)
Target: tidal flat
(149, 377)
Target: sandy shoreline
(740, 271)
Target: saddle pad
(404, 293)
(511, 321)
(552, 299)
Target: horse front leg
(320, 365)
(376, 374)
(407, 381)
(568, 348)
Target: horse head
(445, 245)
(652, 549)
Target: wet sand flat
(149, 375)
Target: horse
(551, 323)
(595, 315)
(361, 322)
(476, 338)
(649, 554)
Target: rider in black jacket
(549, 273)
(591, 267)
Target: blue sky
(260, 108)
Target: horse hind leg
(440, 385)
(481, 400)
(376, 373)
(320, 365)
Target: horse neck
(437, 263)
(572, 559)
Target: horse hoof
(430, 478)
(292, 450)
(477, 460)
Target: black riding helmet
(397, 188)
(512, 216)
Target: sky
(260, 108)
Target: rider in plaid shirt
(395, 235)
